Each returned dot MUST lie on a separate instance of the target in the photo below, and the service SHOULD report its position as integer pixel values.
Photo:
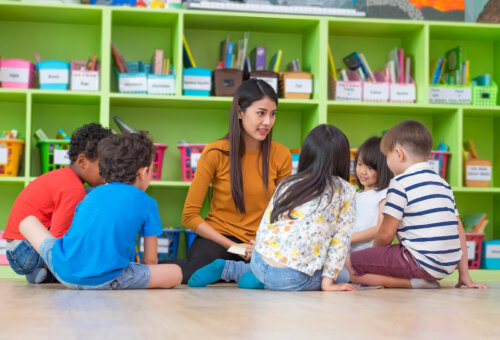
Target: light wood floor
(224, 311)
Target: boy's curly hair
(121, 156)
(85, 139)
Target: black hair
(121, 156)
(371, 156)
(85, 139)
(324, 158)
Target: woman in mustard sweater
(244, 168)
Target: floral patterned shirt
(317, 237)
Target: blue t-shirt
(102, 236)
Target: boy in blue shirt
(420, 211)
(95, 253)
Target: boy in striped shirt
(420, 211)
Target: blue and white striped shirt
(428, 228)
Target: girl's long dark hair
(371, 156)
(249, 91)
(325, 155)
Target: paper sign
(61, 157)
(54, 76)
(471, 248)
(298, 85)
(199, 83)
(375, 92)
(161, 85)
(85, 80)
(493, 251)
(133, 84)
(273, 82)
(163, 244)
(348, 91)
(403, 93)
(14, 75)
(4, 153)
(194, 159)
(435, 164)
(478, 173)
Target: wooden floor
(224, 311)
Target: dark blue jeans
(24, 258)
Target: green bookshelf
(73, 32)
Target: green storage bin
(53, 154)
(485, 95)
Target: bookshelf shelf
(73, 32)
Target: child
(420, 210)
(52, 199)
(304, 235)
(373, 177)
(95, 252)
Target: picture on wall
(449, 10)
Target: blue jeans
(277, 278)
(24, 259)
(135, 276)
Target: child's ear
(401, 153)
(82, 161)
(143, 173)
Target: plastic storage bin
(189, 237)
(491, 254)
(53, 74)
(83, 79)
(439, 162)
(485, 95)
(168, 244)
(197, 81)
(158, 161)
(17, 73)
(163, 84)
(190, 153)
(227, 81)
(54, 154)
(135, 81)
(474, 243)
(11, 155)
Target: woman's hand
(249, 247)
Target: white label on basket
(54, 76)
(493, 251)
(161, 85)
(478, 173)
(133, 84)
(61, 157)
(14, 75)
(163, 244)
(298, 85)
(471, 248)
(199, 83)
(434, 163)
(402, 93)
(348, 91)
(85, 80)
(194, 159)
(376, 92)
(273, 82)
(4, 152)
(450, 95)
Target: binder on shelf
(403, 92)
(227, 81)
(160, 83)
(134, 81)
(83, 79)
(450, 94)
(53, 74)
(197, 81)
(296, 85)
(477, 172)
(269, 77)
(377, 91)
(345, 90)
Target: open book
(237, 249)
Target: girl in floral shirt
(304, 235)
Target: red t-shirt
(52, 198)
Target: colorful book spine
(258, 57)
(229, 58)
(401, 56)
(331, 63)
(158, 62)
(188, 57)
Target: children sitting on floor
(52, 199)
(95, 252)
(421, 212)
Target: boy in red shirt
(52, 198)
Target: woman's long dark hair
(325, 154)
(249, 91)
(371, 156)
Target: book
(470, 147)
(118, 59)
(472, 222)
(401, 57)
(434, 70)
(158, 62)
(408, 70)
(331, 63)
(229, 55)
(258, 58)
(244, 52)
(393, 55)
(441, 71)
(454, 58)
(355, 60)
(237, 249)
(367, 70)
(40, 135)
(275, 61)
(187, 56)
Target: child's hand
(248, 249)
(327, 284)
(465, 280)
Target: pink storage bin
(17, 73)
(158, 161)
(190, 153)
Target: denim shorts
(24, 259)
(135, 276)
(284, 278)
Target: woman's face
(257, 121)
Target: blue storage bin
(491, 254)
(197, 81)
(189, 237)
(163, 84)
(168, 244)
(53, 74)
(135, 81)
